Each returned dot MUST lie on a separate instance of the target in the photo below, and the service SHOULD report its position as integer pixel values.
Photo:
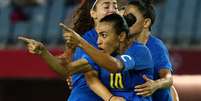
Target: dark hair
(146, 7)
(82, 20)
(118, 21)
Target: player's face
(108, 40)
(104, 8)
(138, 26)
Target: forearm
(165, 80)
(96, 86)
(102, 59)
(53, 62)
(79, 66)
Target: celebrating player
(98, 9)
(132, 63)
(142, 11)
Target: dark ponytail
(82, 20)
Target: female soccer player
(143, 11)
(98, 9)
(132, 63)
(114, 39)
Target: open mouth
(101, 49)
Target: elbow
(169, 77)
(171, 81)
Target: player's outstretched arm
(101, 58)
(36, 47)
(97, 86)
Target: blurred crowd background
(178, 21)
(25, 77)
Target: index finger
(24, 39)
(66, 27)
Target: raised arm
(102, 59)
(36, 47)
(129, 60)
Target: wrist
(158, 84)
(44, 52)
(109, 99)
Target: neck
(124, 45)
(142, 37)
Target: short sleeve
(137, 57)
(160, 55)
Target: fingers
(69, 82)
(145, 89)
(145, 93)
(28, 40)
(72, 32)
(24, 39)
(141, 86)
(31, 50)
(71, 42)
(71, 37)
(33, 46)
(62, 25)
(142, 89)
(66, 27)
